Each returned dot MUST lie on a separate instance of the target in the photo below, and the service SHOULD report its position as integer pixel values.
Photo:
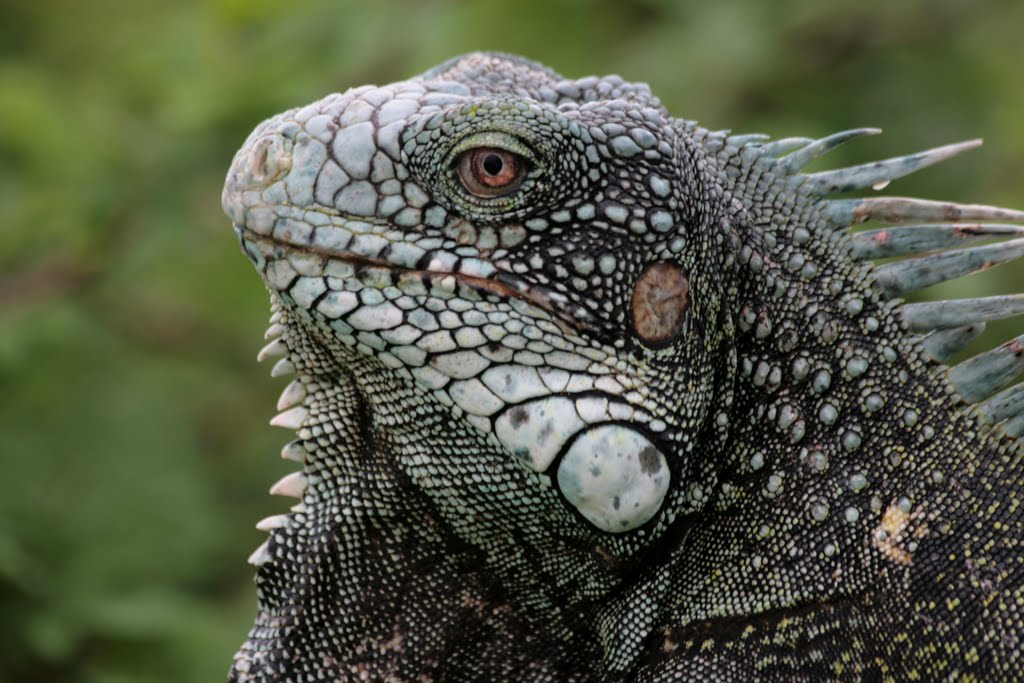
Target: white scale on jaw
(611, 473)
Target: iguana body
(585, 392)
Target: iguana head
(542, 257)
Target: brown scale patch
(660, 299)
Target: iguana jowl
(586, 392)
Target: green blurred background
(134, 448)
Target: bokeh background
(134, 448)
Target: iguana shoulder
(586, 392)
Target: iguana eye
(491, 171)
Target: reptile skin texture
(584, 392)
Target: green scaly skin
(506, 475)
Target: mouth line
(502, 284)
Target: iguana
(585, 392)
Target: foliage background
(134, 449)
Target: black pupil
(493, 164)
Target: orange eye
(491, 171)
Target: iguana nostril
(271, 157)
(253, 171)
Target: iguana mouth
(501, 284)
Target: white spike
(870, 174)
(272, 350)
(275, 316)
(290, 419)
(261, 555)
(273, 522)
(293, 395)
(292, 485)
(274, 331)
(299, 508)
(294, 451)
(282, 367)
